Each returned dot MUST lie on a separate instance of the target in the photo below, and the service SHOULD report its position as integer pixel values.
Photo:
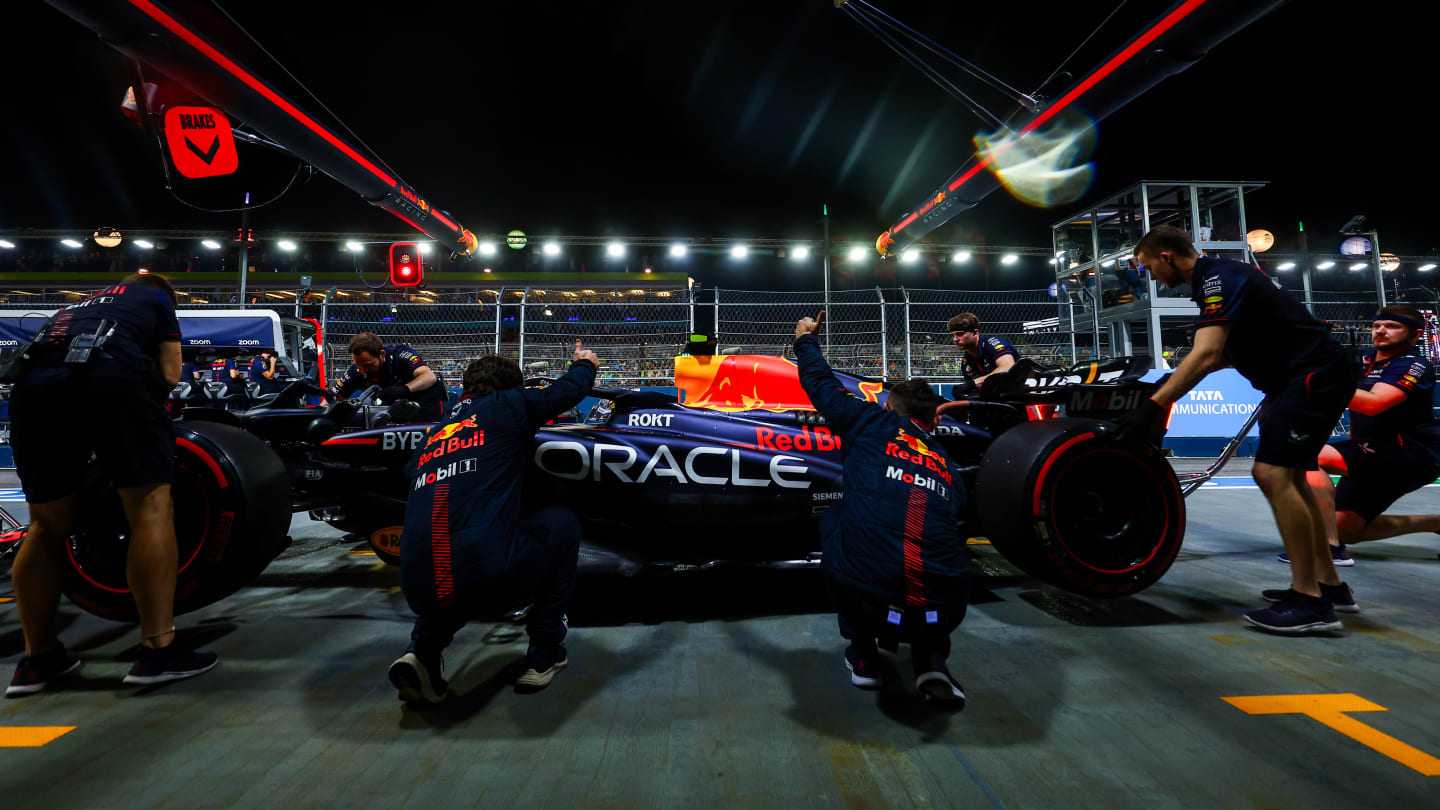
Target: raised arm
(544, 404)
(841, 409)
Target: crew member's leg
(929, 651)
(1293, 430)
(36, 573)
(50, 458)
(1301, 524)
(544, 559)
(135, 443)
(152, 560)
(1378, 474)
(858, 628)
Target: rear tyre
(232, 512)
(1068, 504)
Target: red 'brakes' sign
(200, 140)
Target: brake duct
(186, 47)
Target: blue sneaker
(1298, 615)
(35, 672)
(1338, 554)
(863, 672)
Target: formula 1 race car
(736, 469)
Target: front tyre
(1068, 504)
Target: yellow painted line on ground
(4, 599)
(1329, 710)
(360, 552)
(31, 736)
(977, 541)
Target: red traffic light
(406, 269)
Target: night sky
(685, 118)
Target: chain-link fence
(447, 329)
(894, 333)
(856, 325)
(635, 334)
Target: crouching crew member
(400, 372)
(1391, 451)
(980, 357)
(120, 347)
(893, 558)
(1249, 322)
(466, 549)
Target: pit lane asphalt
(725, 688)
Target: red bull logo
(450, 430)
(448, 440)
(742, 382)
(914, 450)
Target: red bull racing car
(734, 468)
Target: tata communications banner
(1218, 406)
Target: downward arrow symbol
(209, 154)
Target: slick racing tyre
(1067, 503)
(232, 511)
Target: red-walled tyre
(232, 511)
(1068, 504)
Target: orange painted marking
(4, 599)
(31, 736)
(1329, 710)
(360, 552)
(977, 541)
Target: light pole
(825, 216)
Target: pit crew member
(466, 549)
(97, 381)
(1249, 322)
(400, 372)
(893, 558)
(265, 372)
(980, 357)
(1391, 450)
(222, 370)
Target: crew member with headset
(120, 347)
(265, 372)
(466, 547)
(1391, 450)
(400, 372)
(979, 357)
(893, 558)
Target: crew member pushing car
(1249, 322)
(97, 382)
(400, 372)
(893, 558)
(980, 357)
(466, 549)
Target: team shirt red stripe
(914, 562)
(440, 545)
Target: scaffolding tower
(1101, 290)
